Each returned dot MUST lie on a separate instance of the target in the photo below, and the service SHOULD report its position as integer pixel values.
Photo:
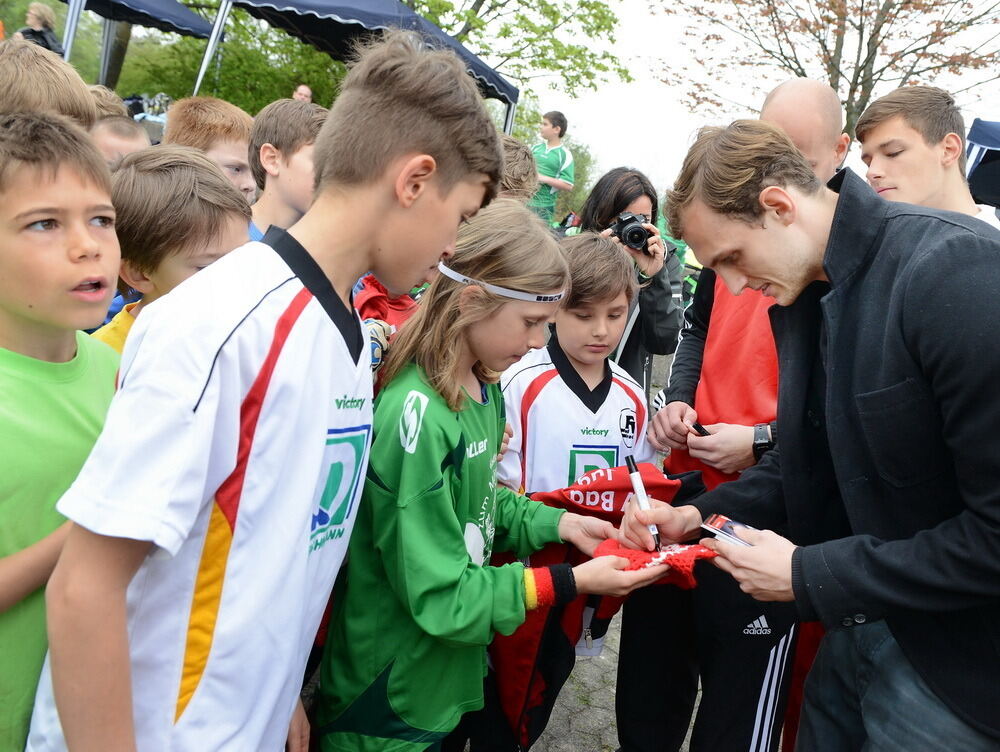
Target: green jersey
(417, 603)
(556, 162)
(51, 414)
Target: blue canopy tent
(165, 15)
(983, 161)
(332, 25)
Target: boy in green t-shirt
(555, 165)
(58, 266)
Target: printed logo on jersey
(627, 426)
(339, 489)
(349, 403)
(585, 458)
(411, 420)
(758, 626)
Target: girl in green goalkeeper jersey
(418, 602)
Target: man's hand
(586, 533)
(674, 523)
(671, 426)
(298, 730)
(763, 569)
(606, 575)
(729, 449)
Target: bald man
(725, 377)
(302, 93)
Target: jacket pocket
(903, 433)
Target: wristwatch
(762, 441)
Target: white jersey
(988, 214)
(563, 429)
(237, 444)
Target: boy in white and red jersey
(213, 515)
(571, 409)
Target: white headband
(504, 292)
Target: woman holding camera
(656, 314)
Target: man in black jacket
(887, 476)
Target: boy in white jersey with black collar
(571, 409)
(214, 513)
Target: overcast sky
(645, 125)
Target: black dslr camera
(629, 229)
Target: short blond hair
(402, 97)
(505, 244)
(45, 14)
(46, 143)
(727, 167)
(930, 111)
(599, 269)
(520, 173)
(168, 199)
(33, 79)
(108, 103)
(286, 124)
(202, 122)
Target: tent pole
(508, 124)
(213, 41)
(107, 42)
(72, 20)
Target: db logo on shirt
(345, 457)
(411, 419)
(626, 423)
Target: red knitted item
(681, 559)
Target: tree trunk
(119, 45)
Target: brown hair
(557, 120)
(45, 142)
(34, 79)
(927, 109)
(520, 173)
(201, 122)
(402, 97)
(286, 124)
(123, 127)
(505, 244)
(108, 103)
(727, 168)
(45, 14)
(599, 270)
(168, 199)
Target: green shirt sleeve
(567, 171)
(524, 525)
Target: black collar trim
(308, 271)
(591, 399)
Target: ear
(843, 144)
(951, 149)
(413, 178)
(270, 159)
(777, 203)
(135, 278)
(468, 297)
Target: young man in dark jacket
(887, 472)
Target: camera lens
(635, 236)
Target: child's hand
(586, 533)
(298, 730)
(606, 575)
(508, 434)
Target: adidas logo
(757, 626)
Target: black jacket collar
(858, 224)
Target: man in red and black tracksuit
(724, 376)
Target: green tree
(529, 39)
(254, 66)
(861, 47)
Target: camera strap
(504, 292)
